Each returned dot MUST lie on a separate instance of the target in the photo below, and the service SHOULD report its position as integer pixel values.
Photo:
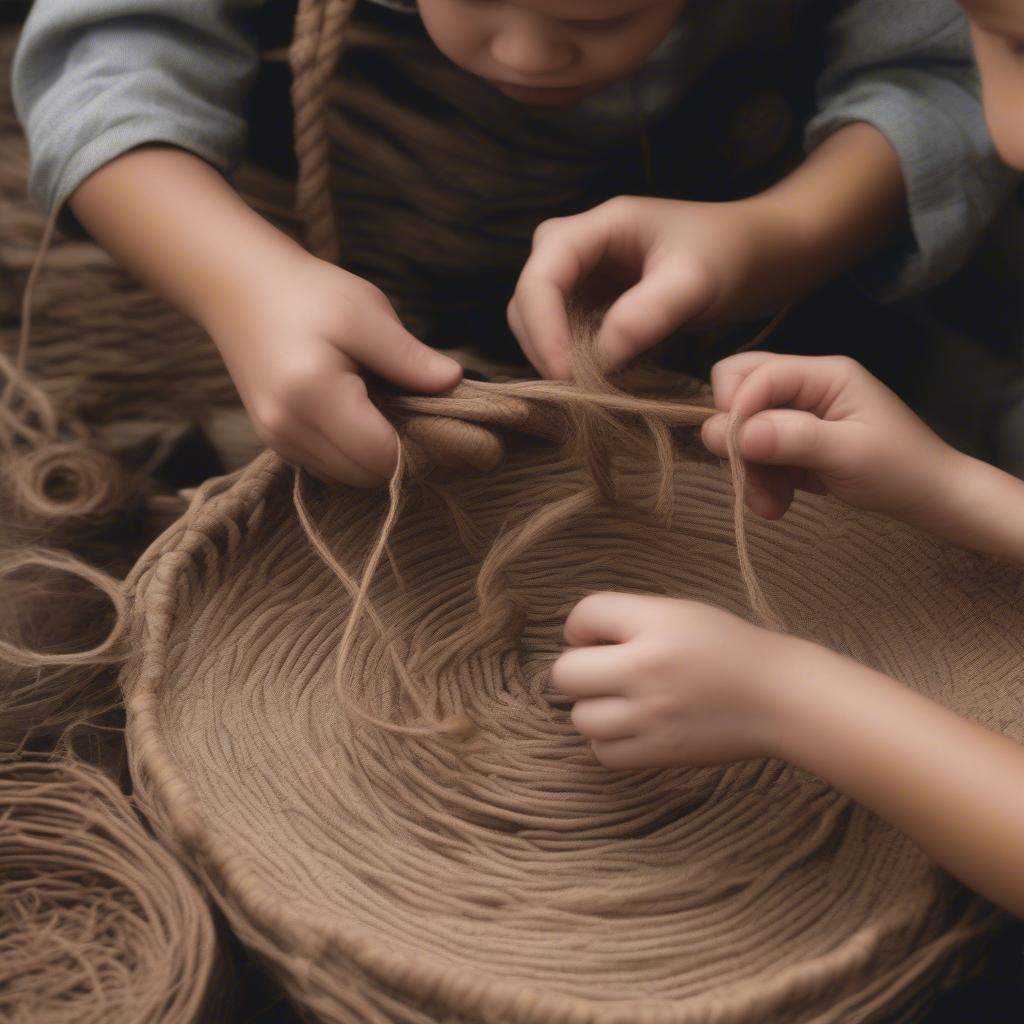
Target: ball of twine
(100, 924)
(344, 718)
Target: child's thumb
(391, 352)
(791, 437)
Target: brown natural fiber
(98, 923)
(413, 831)
(61, 618)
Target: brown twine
(100, 925)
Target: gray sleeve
(907, 69)
(93, 79)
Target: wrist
(937, 506)
(811, 691)
(976, 506)
(241, 287)
(783, 251)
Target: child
(690, 684)
(127, 100)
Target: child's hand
(692, 263)
(660, 682)
(295, 352)
(824, 424)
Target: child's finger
(309, 446)
(729, 373)
(624, 754)
(671, 294)
(607, 718)
(354, 426)
(784, 437)
(586, 672)
(565, 251)
(714, 432)
(788, 437)
(769, 490)
(538, 319)
(806, 383)
(605, 618)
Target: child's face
(998, 30)
(549, 52)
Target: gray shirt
(96, 78)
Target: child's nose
(531, 49)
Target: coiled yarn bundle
(98, 923)
(414, 832)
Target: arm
(293, 330)
(175, 223)
(908, 70)
(845, 201)
(702, 264)
(659, 682)
(954, 787)
(982, 508)
(133, 110)
(94, 79)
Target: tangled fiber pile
(99, 923)
(72, 523)
(342, 720)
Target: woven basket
(510, 877)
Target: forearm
(846, 200)
(951, 785)
(172, 221)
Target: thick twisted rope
(315, 50)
